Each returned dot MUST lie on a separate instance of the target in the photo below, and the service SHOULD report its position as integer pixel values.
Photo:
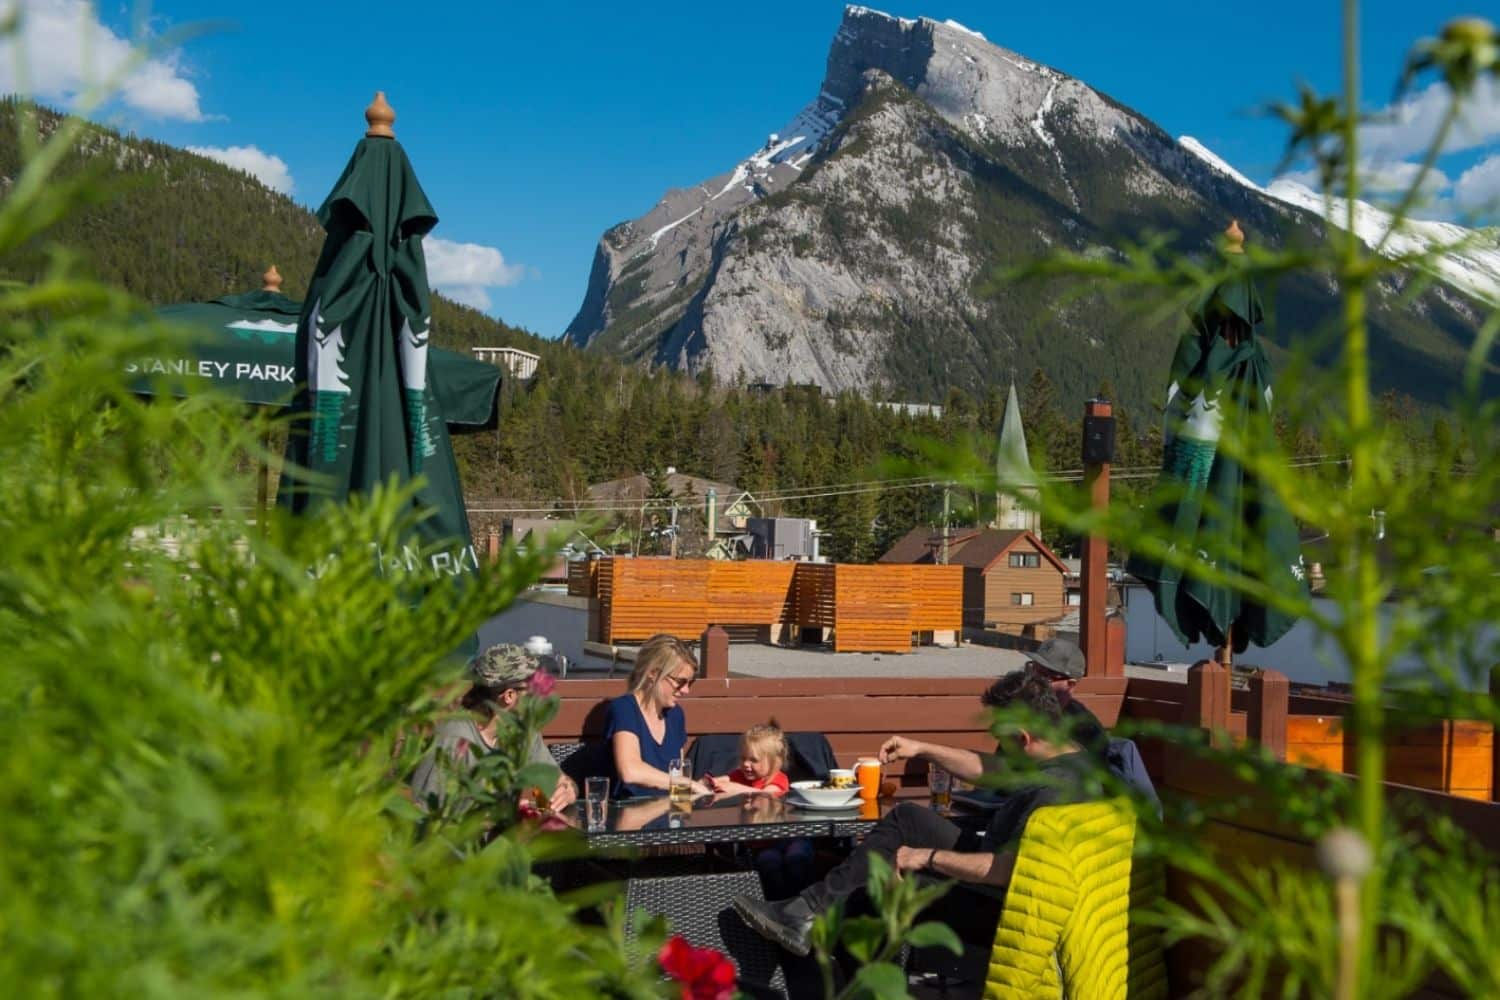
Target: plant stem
(1361, 625)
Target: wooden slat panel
(937, 598)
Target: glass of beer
(940, 785)
(867, 771)
(680, 781)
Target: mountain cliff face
(857, 249)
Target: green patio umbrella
(362, 357)
(1215, 507)
(246, 345)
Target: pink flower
(704, 973)
(541, 683)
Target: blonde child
(762, 757)
(785, 867)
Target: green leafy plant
(875, 941)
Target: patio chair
(583, 760)
(810, 757)
(698, 908)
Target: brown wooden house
(1010, 577)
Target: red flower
(704, 973)
(541, 683)
(526, 811)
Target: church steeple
(1013, 473)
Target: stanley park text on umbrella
(1215, 507)
(363, 350)
(244, 346)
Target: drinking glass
(596, 803)
(680, 781)
(940, 785)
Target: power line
(834, 490)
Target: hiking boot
(788, 922)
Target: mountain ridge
(766, 273)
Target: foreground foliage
(197, 793)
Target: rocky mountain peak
(856, 248)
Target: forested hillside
(179, 227)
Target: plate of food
(817, 795)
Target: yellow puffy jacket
(1070, 925)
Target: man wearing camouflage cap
(498, 677)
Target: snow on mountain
(1472, 264)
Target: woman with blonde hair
(646, 728)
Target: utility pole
(673, 529)
(943, 555)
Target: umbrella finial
(1234, 238)
(380, 116)
(271, 280)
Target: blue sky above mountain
(536, 127)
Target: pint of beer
(867, 772)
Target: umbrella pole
(1225, 653)
(262, 482)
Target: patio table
(656, 821)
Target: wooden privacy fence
(869, 608)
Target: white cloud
(1406, 129)
(270, 170)
(1382, 178)
(1478, 188)
(66, 50)
(466, 271)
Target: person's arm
(565, 792)
(626, 748)
(966, 765)
(982, 867)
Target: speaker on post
(1099, 438)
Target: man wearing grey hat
(498, 677)
(1062, 664)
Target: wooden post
(1095, 568)
(1495, 739)
(713, 654)
(493, 544)
(1265, 723)
(1207, 704)
(1114, 656)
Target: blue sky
(534, 127)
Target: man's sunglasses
(1046, 672)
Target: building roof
(975, 547)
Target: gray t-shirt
(460, 742)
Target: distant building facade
(521, 364)
(1011, 577)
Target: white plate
(824, 798)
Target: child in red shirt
(762, 756)
(785, 867)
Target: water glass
(680, 780)
(940, 785)
(596, 803)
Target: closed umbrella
(1215, 508)
(362, 355)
